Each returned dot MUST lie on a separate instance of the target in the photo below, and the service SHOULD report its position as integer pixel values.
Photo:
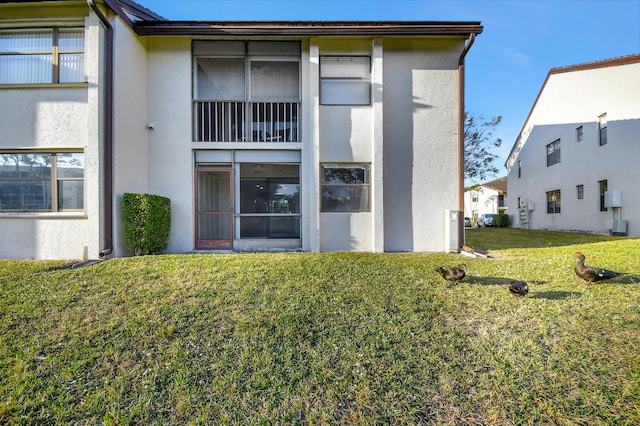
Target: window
(345, 188)
(42, 57)
(579, 134)
(474, 196)
(269, 200)
(41, 182)
(603, 186)
(553, 153)
(519, 169)
(602, 129)
(553, 201)
(246, 91)
(345, 80)
(580, 191)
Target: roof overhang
(306, 28)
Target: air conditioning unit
(613, 198)
(619, 227)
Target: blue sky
(508, 62)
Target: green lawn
(331, 338)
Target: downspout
(461, 114)
(108, 131)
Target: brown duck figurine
(453, 274)
(518, 288)
(591, 274)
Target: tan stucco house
(305, 135)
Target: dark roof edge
(605, 63)
(139, 11)
(306, 28)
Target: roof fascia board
(307, 28)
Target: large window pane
(271, 80)
(220, 79)
(270, 227)
(25, 166)
(71, 68)
(345, 199)
(269, 200)
(70, 165)
(23, 69)
(70, 195)
(26, 42)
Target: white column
(311, 146)
(377, 181)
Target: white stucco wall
(55, 118)
(131, 153)
(420, 141)
(567, 101)
(170, 160)
(346, 136)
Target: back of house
(306, 135)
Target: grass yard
(330, 338)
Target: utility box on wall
(613, 198)
(451, 239)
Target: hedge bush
(501, 220)
(147, 222)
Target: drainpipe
(461, 112)
(108, 131)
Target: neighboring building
(315, 136)
(574, 166)
(488, 197)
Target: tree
(478, 143)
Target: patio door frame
(221, 244)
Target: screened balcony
(240, 121)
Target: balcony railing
(238, 121)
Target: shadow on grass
(470, 279)
(556, 295)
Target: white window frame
(345, 80)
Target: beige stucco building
(574, 166)
(315, 136)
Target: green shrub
(147, 222)
(501, 220)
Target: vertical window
(553, 153)
(579, 134)
(40, 57)
(602, 185)
(345, 188)
(474, 196)
(42, 182)
(345, 80)
(580, 192)
(519, 169)
(602, 129)
(553, 201)
(269, 200)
